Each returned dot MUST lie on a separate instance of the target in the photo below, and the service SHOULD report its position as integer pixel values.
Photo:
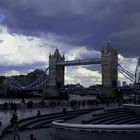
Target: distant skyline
(31, 30)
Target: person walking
(15, 126)
(31, 137)
(38, 113)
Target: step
(127, 121)
(108, 116)
(120, 118)
(108, 113)
(35, 126)
(99, 120)
(118, 109)
(135, 122)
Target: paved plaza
(42, 133)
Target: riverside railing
(69, 131)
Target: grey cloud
(1, 41)
(90, 23)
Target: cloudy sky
(31, 29)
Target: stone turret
(56, 73)
(109, 69)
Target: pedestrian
(64, 110)
(15, 126)
(31, 137)
(38, 113)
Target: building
(119, 83)
(138, 76)
(124, 83)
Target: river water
(72, 97)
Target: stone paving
(5, 116)
(41, 134)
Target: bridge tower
(109, 70)
(56, 73)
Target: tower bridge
(55, 79)
(57, 65)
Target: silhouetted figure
(64, 110)
(32, 137)
(30, 104)
(15, 126)
(38, 113)
(23, 100)
(119, 103)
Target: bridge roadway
(81, 62)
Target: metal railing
(87, 127)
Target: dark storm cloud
(78, 22)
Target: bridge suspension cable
(124, 72)
(126, 75)
(37, 80)
(13, 84)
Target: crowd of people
(53, 104)
(73, 105)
